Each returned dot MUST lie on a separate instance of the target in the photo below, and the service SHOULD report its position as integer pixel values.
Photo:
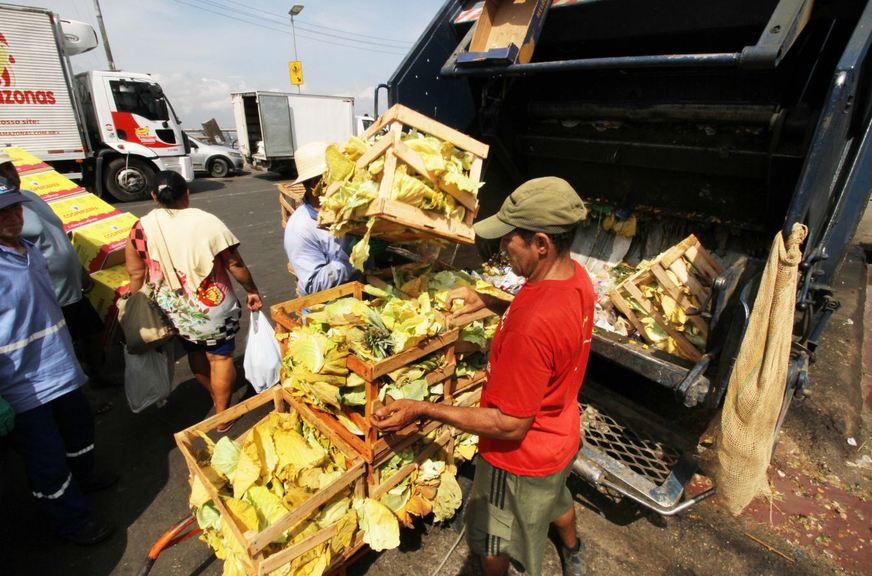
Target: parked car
(218, 160)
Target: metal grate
(644, 455)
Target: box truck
(271, 125)
(113, 130)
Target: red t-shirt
(537, 362)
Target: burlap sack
(745, 433)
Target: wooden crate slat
(415, 218)
(432, 127)
(677, 251)
(302, 512)
(681, 299)
(328, 431)
(388, 444)
(374, 151)
(380, 489)
(282, 557)
(682, 342)
(414, 160)
(389, 116)
(297, 304)
(390, 167)
(343, 432)
(621, 304)
(692, 283)
(372, 370)
(702, 263)
(183, 442)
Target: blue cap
(10, 195)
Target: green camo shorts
(509, 514)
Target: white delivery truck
(112, 130)
(271, 125)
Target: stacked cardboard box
(96, 228)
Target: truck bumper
(180, 164)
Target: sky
(202, 50)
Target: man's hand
(472, 301)
(254, 301)
(397, 415)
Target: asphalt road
(619, 538)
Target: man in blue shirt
(318, 258)
(41, 379)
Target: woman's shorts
(224, 348)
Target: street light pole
(295, 9)
(105, 36)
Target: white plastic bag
(263, 358)
(148, 377)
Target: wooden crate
(256, 562)
(505, 33)
(290, 197)
(444, 440)
(377, 487)
(402, 222)
(699, 285)
(287, 316)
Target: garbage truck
(731, 122)
(113, 130)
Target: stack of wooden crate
(374, 447)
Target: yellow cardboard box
(50, 186)
(24, 161)
(81, 210)
(101, 244)
(109, 285)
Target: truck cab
(113, 130)
(131, 116)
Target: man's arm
(237, 268)
(488, 422)
(474, 301)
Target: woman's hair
(171, 187)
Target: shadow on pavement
(207, 185)
(270, 176)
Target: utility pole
(105, 37)
(295, 9)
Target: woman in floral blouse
(189, 255)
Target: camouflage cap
(548, 204)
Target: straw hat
(4, 157)
(310, 161)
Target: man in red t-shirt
(528, 421)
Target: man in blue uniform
(41, 379)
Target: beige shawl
(187, 241)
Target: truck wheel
(129, 179)
(219, 168)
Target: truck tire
(219, 168)
(129, 179)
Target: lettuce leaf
(380, 527)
